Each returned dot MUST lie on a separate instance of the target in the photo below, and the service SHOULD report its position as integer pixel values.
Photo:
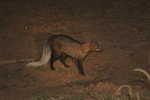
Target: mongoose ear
(93, 43)
(96, 46)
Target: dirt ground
(122, 28)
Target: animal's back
(66, 44)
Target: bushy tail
(45, 58)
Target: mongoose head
(96, 47)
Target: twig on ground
(146, 73)
(127, 86)
(15, 61)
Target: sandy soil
(122, 28)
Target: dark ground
(122, 27)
